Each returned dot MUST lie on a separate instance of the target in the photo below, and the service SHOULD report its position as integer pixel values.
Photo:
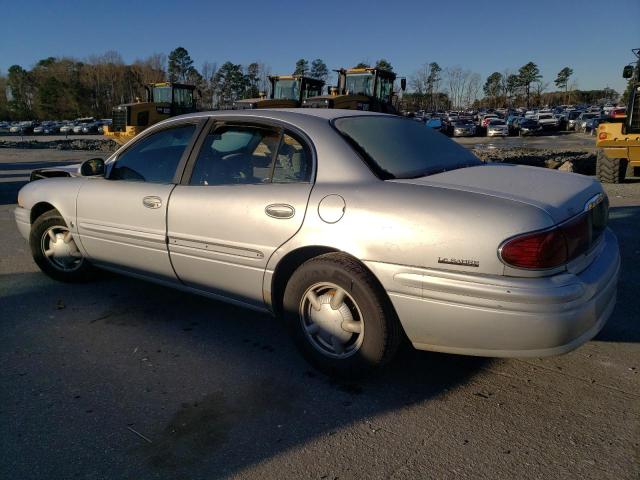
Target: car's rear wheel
(55, 251)
(339, 316)
(610, 170)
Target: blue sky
(594, 37)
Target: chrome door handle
(280, 210)
(152, 202)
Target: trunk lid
(562, 195)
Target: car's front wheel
(339, 316)
(55, 251)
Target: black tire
(381, 332)
(610, 170)
(78, 270)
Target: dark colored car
(528, 126)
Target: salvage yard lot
(125, 379)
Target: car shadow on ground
(623, 325)
(213, 388)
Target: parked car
(547, 120)
(497, 128)
(591, 125)
(581, 121)
(512, 123)
(620, 112)
(90, 127)
(319, 217)
(23, 128)
(52, 128)
(67, 128)
(572, 116)
(487, 118)
(435, 123)
(528, 126)
(463, 128)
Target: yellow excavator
(164, 100)
(360, 89)
(618, 139)
(287, 91)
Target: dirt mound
(75, 144)
(580, 162)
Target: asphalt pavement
(120, 378)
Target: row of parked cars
(505, 122)
(79, 126)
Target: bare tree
(457, 80)
(473, 87)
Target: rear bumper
(503, 316)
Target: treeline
(64, 88)
(437, 88)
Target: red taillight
(539, 250)
(602, 136)
(549, 248)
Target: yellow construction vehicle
(360, 89)
(287, 91)
(164, 100)
(618, 139)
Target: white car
(497, 128)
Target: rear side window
(155, 158)
(247, 154)
(233, 155)
(396, 147)
(293, 162)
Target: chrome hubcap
(331, 320)
(60, 249)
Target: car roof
(285, 114)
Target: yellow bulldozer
(164, 100)
(287, 91)
(618, 139)
(360, 89)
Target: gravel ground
(125, 379)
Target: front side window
(383, 89)
(155, 158)
(396, 147)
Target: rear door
(122, 218)
(244, 195)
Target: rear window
(396, 147)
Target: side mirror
(403, 84)
(92, 168)
(627, 72)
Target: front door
(247, 195)
(122, 218)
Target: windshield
(396, 147)
(312, 90)
(359, 84)
(162, 94)
(286, 90)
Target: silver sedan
(356, 228)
